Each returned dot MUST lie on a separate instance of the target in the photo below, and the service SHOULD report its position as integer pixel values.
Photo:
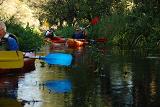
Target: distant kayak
(102, 40)
(58, 40)
(73, 43)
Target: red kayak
(102, 40)
(63, 40)
(74, 43)
(82, 42)
(58, 40)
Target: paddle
(15, 59)
(11, 59)
(98, 40)
(93, 22)
(56, 58)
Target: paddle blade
(58, 59)
(95, 20)
(59, 86)
(11, 59)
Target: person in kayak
(80, 33)
(50, 33)
(50, 36)
(8, 41)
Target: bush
(28, 38)
(65, 32)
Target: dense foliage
(126, 23)
(28, 38)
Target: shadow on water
(98, 77)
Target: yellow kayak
(11, 61)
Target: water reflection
(8, 86)
(28, 91)
(32, 91)
(99, 77)
(59, 86)
(121, 84)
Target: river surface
(98, 76)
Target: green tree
(73, 11)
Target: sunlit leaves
(15, 9)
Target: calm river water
(99, 77)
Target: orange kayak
(74, 43)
